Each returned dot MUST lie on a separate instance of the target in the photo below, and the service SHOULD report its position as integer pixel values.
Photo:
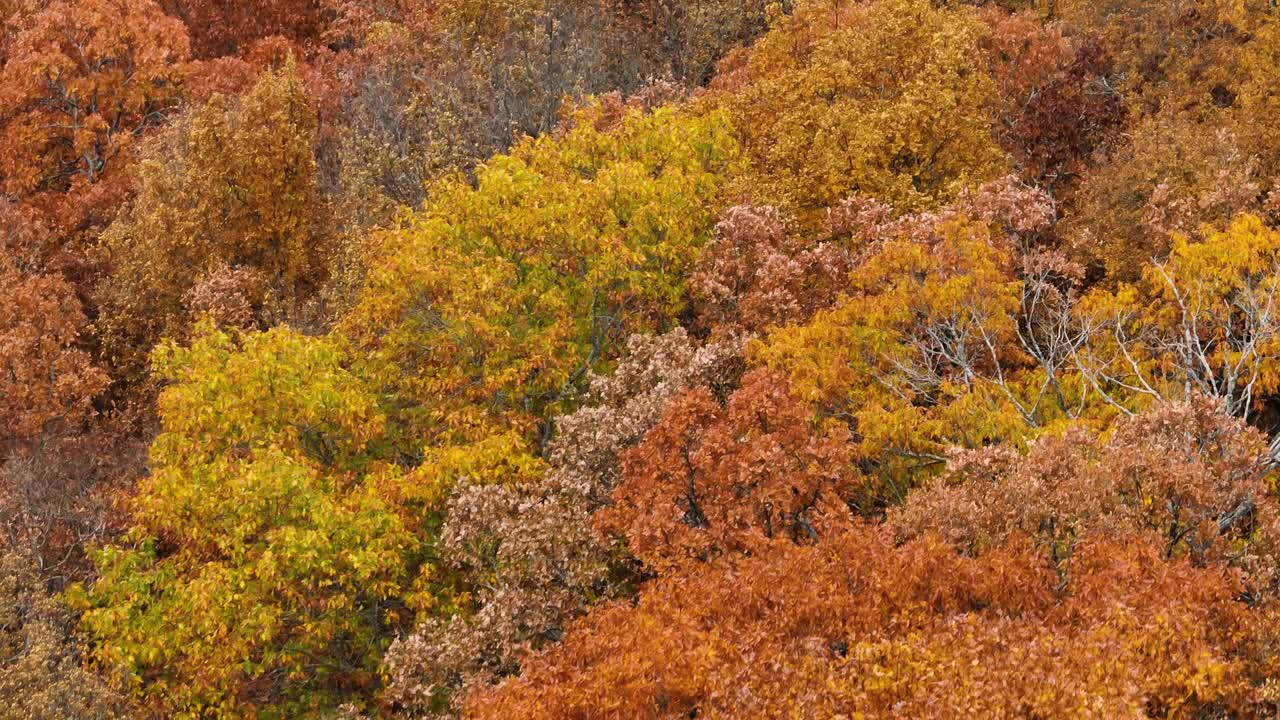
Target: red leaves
(229, 28)
(1056, 105)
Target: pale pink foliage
(1019, 210)
(757, 272)
(1192, 476)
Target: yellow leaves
(497, 299)
(959, 286)
(882, 98)
(268, 389)
(276, 541)
(500, 458)
(1203, 321)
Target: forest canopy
(651, 359)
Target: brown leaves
(41, 674)
(229, 219)
(1057, 104)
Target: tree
(269, 553)
(709, 480)
(926, 346)
(230, 28)
(227, 202)
(1137, 610)
(1201, 322)
(490, 306)
(53, 457)
(525, 558)
(1199, 80)
(1174, 176)
(758, 271)
(1191, 476)
(83, 80)
(889, 99)
(439, 88)
(47, 381)
(1056, 96)
(1176, 55)
(40, 670)
(855, 622)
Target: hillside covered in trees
(627, 359)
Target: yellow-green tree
(266, 554)
(485, 312)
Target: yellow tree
(907, 356)
(266, 556)
(890, 99)
(1199, 80)
(1203, 322)
(487, 310)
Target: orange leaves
(47, 380)
(1113, 621)
(473, 474)
(83, 78)
(525, 557)
(709, 481)
(858, 623)
(221, 28)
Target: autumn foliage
(993, 605)
(639, 359)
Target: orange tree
(1154, 603)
